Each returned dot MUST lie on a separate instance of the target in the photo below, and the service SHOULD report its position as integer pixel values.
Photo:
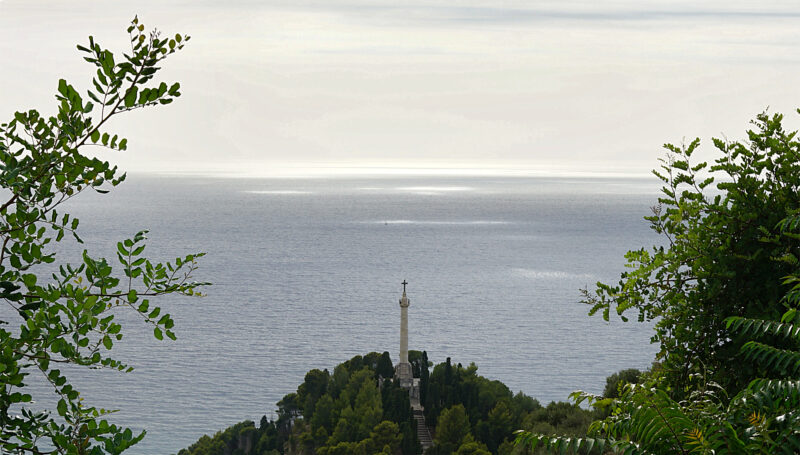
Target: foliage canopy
(725, 254)
(468, 414)
(725, 291)
(70, 317)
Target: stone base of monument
(404, 374)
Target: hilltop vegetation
(360, 409)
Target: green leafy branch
(71, 320)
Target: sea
(307, 273)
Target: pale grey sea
(307, 274)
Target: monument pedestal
(404, 374)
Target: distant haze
(510, 87)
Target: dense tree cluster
(473, 414)
(360, 409)
(357, 409)
(240, 439)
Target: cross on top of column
(404, 283)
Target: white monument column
(403, 370)
(404, 326)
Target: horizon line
(279, 172)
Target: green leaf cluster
(70, 317)
(725, 293)
(724, 252)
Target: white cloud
(582, 85)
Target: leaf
(29, 279)
(158, 334)
(130, 96)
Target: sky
(302, 87)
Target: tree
(472, 448)
(386, 436)
(501, 423)
(396, 402)
(385, 369)
(723, 254)
(452, 428)
(369, 409)
(424, 377)
(324, 415)
(314, 386)
(727, 255)
(346, 429)
(71, 319)
(616, 381)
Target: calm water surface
(307, 274)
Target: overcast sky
(272, 87)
